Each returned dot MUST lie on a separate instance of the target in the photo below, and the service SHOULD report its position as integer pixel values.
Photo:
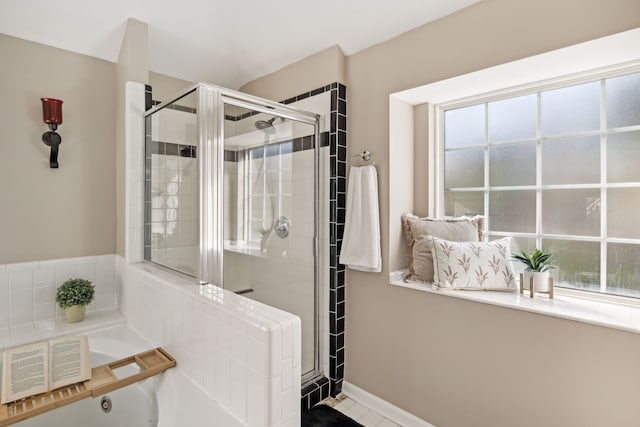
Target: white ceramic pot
(75, 313)
(540, 280)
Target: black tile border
(283, 147)
(176, 107)
(172, 149)
(331, 385)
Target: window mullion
(538, 169)
(486, 168)
(603, 189)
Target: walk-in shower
(233, 197)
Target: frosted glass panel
(512, 165)
(571, 161)
(464, 126)
(464, 203)
(622, 210)
(464, 168)
(623, 269)
(577, 263)
(573, 212)
(171, 187)
(513, 118)
(571, 109)
(512, 211)
(623, 101)
(623, 152)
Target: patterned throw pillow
(472, 265)
(459, 229)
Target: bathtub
(165, 400)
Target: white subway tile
(4, 309)
(287, 405)
(21, 306)
(287, 338)
(23, 334)
(256, 399)
(44, 294)
(44, 311)
(4, 280)
(105, 300)
(20, 279)
(44, 276)
(287, 374)
(22, 266)
(297, 344)
(64, 272)
(256, 356)
(238, 390)
(275, 403)
(86, 271)
(222, 373)
(5, 337)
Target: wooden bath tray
(102, 381)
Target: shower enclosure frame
(210, 117)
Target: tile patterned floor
(362, 414)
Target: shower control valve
(282, 227)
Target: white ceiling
(226, 42)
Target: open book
(38, 368)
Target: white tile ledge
(28, 333)
(610, 315)
(261, 315)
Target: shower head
(265, 125)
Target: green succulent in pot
(537, 260)
(536, 273)
(73, 296)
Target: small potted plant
(73, 296)
(537, 265)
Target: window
(270, 169)
(557, 169)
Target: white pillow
(472, 265)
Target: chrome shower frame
(211, 100)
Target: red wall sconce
(52, 115)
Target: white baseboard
(384, 408)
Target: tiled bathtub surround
(27, 290)
(244, 354)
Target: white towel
(361, 241)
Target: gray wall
(458, 363)
(55, 213)
(455, 362)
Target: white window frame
(436, 152)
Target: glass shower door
(270, 215)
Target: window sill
(244, 249)
(251, 250)
(610, 315)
